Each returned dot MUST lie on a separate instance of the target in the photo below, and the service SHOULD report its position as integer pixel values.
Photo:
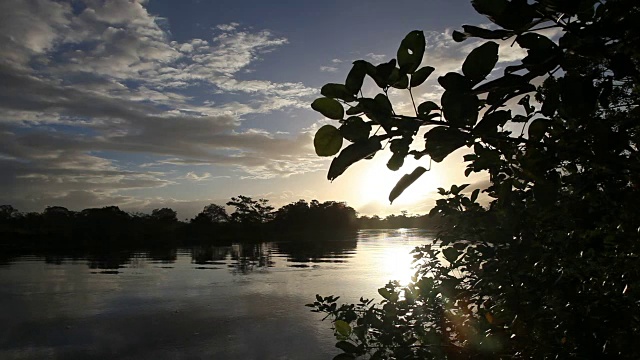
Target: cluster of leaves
(550, 267)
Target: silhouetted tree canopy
(550, 268)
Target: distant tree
(7, 212)
(213, 214)
(249, 211)
(549, 268)
(164, 215)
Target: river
(244, 301)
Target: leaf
(474, 31)
(404, 182)
(537, 129)
(355, 129)
(474, 195)
(329, 108)
(480, 62)
(451, 254)
(342, 327)
(355, 78)
(442, 141)
(396, 162)
(411, 52)
(344, 356)
(455, 82)
(347, 347)
(352, 154)
(425, 108)
(491, 121)
(328, 141)
(421, 76)
(460, 109)
(398, 80)
(337, 91)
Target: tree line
(60, 228)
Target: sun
(377, 181)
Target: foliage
(249, 211)
(549, 269)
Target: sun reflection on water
(396, 263)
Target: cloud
(328, 68)
(97, 100)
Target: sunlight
(396, 264)
(377, 182)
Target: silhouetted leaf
(355, 78)
(460, 109)
(425, 108)
(398, 80)
(537, 129)
(455, 82)
(490, 122)
(352, 154)
(442, 141)
(337, 91)
(355, 129)
(405, 181)
(480, 62)
(451, 254)
(411, 51)
(329, 108)
(347, 347)
(396, 162)
(421, 76)
(344, 356)
(474, 195)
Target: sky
(184, 103)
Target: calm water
(232, 302)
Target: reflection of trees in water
(164, 255)
(209, 255)
(114, 260)
(250, 257)
(318, 251)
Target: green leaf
(404, 182)
(337, 91)
(411, 52)
(342, 327)
(327, 141)
(329, 108)
(347, 347)
(442, 141)
(355, 129)
(421, 76)
(480, 62)
(451, 254)
(355, 78)
(352, 154)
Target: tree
(212, 214)
(164, 215)
(550, 267)
(249, 211)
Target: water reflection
(237, 301)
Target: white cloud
(328, 68)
